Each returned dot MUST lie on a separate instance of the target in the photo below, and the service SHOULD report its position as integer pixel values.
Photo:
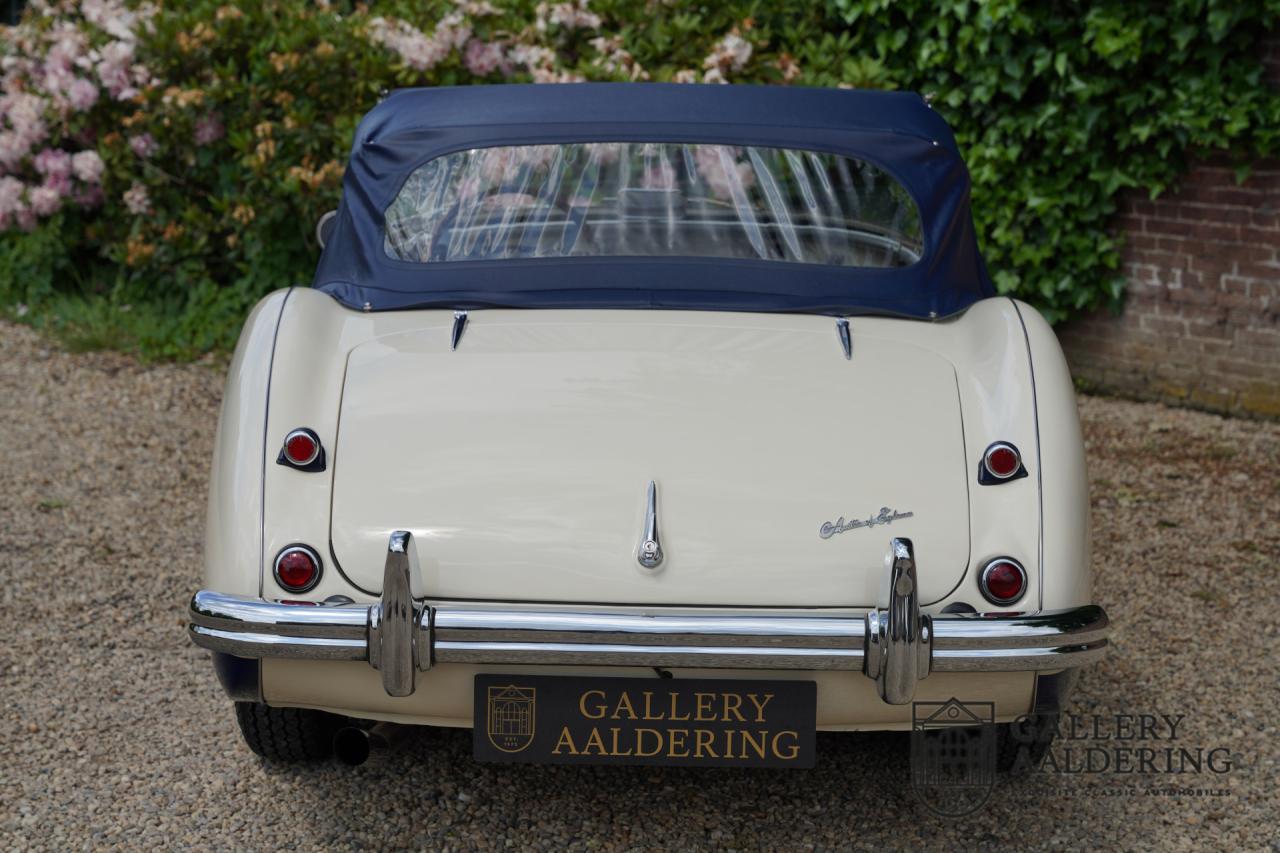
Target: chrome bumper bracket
(392, 647)
(899, 640)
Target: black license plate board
(550, 719)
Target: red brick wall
(1201, 320)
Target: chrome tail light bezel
(317, 460)
(988, 477)
(985, 574)
(311, 554)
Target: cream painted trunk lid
(521, 461)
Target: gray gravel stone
(116, 734)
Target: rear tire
(1022, 745)
(287, 734)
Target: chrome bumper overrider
(895, 645)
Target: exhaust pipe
(353, 745)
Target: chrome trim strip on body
(1035, 417)
(658, 630)
(628, 654)
(266, 425)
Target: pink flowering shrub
(53, 71)
(178, 155)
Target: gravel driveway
(115, 732)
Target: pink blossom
(533, 57)
(477, 8)
(82, 94)
(417, 50)
(69, 43)
(88, 166)
(13, 147)
(26, 219)
(60, 184)
(53, 163)
(116, 18)
(26, 116)
(614, 59)
(731, 53)
(10, 195)
(452, 31)
(569, 16)
(118, 52)
(45, 200)
(137, 200)
(143, 144)
(56, 82)
(483, 58)
(115, 78)
(208, 129)
(115, 67)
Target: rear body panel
(979, 359)
(520, 462)
(755, 427)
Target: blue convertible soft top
(896, 132)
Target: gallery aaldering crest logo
(953, 755)
(511, 717)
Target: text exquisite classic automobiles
(645, 423)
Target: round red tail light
(301, 447)
(297, 568)
(1002, 460)
(1003, 580)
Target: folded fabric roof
(897, 132)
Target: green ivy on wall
(1060, 106)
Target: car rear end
(697, 421)
(825, 515)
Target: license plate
(548, 719)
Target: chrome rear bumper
(896, 645)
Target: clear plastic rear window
(653, 199)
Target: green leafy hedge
(1059, 106)
(220, 130)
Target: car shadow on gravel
(431, 773)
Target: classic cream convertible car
(645, 423)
